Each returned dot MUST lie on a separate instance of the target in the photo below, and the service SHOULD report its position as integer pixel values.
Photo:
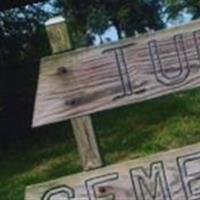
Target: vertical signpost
(60, 41)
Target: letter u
(183, 70)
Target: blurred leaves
(174, 7)
(97, 16)
(98, 20)
(21, 32)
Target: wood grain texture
(94, 79)
(174, 175)
(86, 141)
(58, 35)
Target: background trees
(22, 34)
(98, 15)
(174, 7)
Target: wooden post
(59, 39)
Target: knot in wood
(102, 189)
(62, 70)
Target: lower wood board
(85, 81)
(174, 175)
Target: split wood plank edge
(83, 130)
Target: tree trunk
(118, 28)
(101, 39)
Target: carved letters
(151, 185)
(171, 179)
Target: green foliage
(21, 33)
(137, 15)
(98, 20)
(174, 7)
(126, 15)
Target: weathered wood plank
(174, 175)
(94, 79)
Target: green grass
(125, 133)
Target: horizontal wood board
(174, 175)
(89, 80)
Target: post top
(54, 20)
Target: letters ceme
(179, 180)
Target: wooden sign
(174, 175)
(88, 80)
